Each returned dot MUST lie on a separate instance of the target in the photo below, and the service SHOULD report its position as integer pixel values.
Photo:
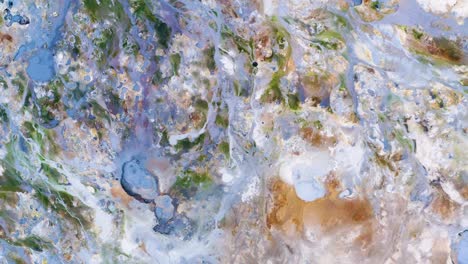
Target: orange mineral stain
(290, 214)
(118, 192)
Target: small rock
(164, 210)
(138, 182)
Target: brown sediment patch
(267, 121)
(443, 205)
(368, 13)
(446, 49)
(5, 37)
(228, 8)
(440, 251)
(318, 14)
(290, 214)
(118, 192)
(316, 138)
(263, 45)
(461, 185)
(318, 87)
(142, 246)
(463, 190)
(343, 5)
(439, 48)
(197, 119)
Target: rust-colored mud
(5, 37)
(289, 213)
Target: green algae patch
(222, 121)
(341, 20)
(143, 11)
(113, 102)
(92, 7)
(8, 197)
(190, 182)
(437, 50)
(3, 115)
(375, 5)
(448, 49)
(157, 77)
(243, 45)
(187, 144)
(417, 34)
(237, 88)
(240, 89)
(201, 105)
(52, 174)
(31, 131)
(273, 92)
(163, 32)
(164, 138)
(190, 178)
(33, 242)
(106, 9)
(65, 205)
(403, 140)
(224, 148)
(76, 46)
(53, 87)
(329, 35)
(330, 40)
(283, 60)
(107, 39)
(45, 106)
(343, 87)
(282, 38)
(44, 138)
(99, 111)
(130, 46)
(175, 63)
(293, 101)
(210, 62)
(107, 46)
(45, 116)
(19, 82)
(10, 179)
(317, 124)
(3, 83)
